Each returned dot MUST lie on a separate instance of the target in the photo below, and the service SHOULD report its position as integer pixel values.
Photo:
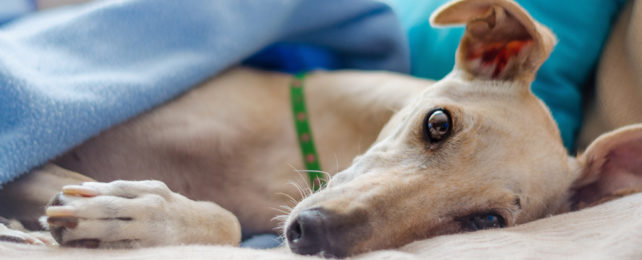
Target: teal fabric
(580, 25)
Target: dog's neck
(348, 110)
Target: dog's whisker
(298, 188)
(290, 199)
(283, 212)
(280, 218)
(303, 186)
(286, 209)
(279, 210)
(359, 146)
(325, 173)
(336, 161)
(280, 224)
(296, 185)
(326, 177)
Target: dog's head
(476, 150)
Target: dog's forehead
(487, 99)
(475, 90)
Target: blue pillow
(581, 27)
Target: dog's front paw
(125, 214)
(113, 215)
(16, 236)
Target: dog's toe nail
(68, 222)
(34, 241)
(47, 241)
(60, 211)
(86, 243)
(79, 190)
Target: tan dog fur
(220, 149)
(231, 141)
(504, 155)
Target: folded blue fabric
(67, 74)
(10, 9)
(580, 26)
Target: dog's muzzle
(322, 232)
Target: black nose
(310, 233)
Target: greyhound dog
(475, 150)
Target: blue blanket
(68, 74)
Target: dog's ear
(611, 167)
(502, 41)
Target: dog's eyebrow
(518, 202)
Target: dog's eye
(483, 221)
(437, 125)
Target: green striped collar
(304, 133)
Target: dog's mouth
(321, 232)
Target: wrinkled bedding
(612, 230)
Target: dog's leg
(24, 201)
(31, 192)
(136, 214)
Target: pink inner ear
(496, 55)
(624, 167)
(621, 173)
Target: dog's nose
(310, 234)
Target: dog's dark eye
(437, 125)
(483, 221)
